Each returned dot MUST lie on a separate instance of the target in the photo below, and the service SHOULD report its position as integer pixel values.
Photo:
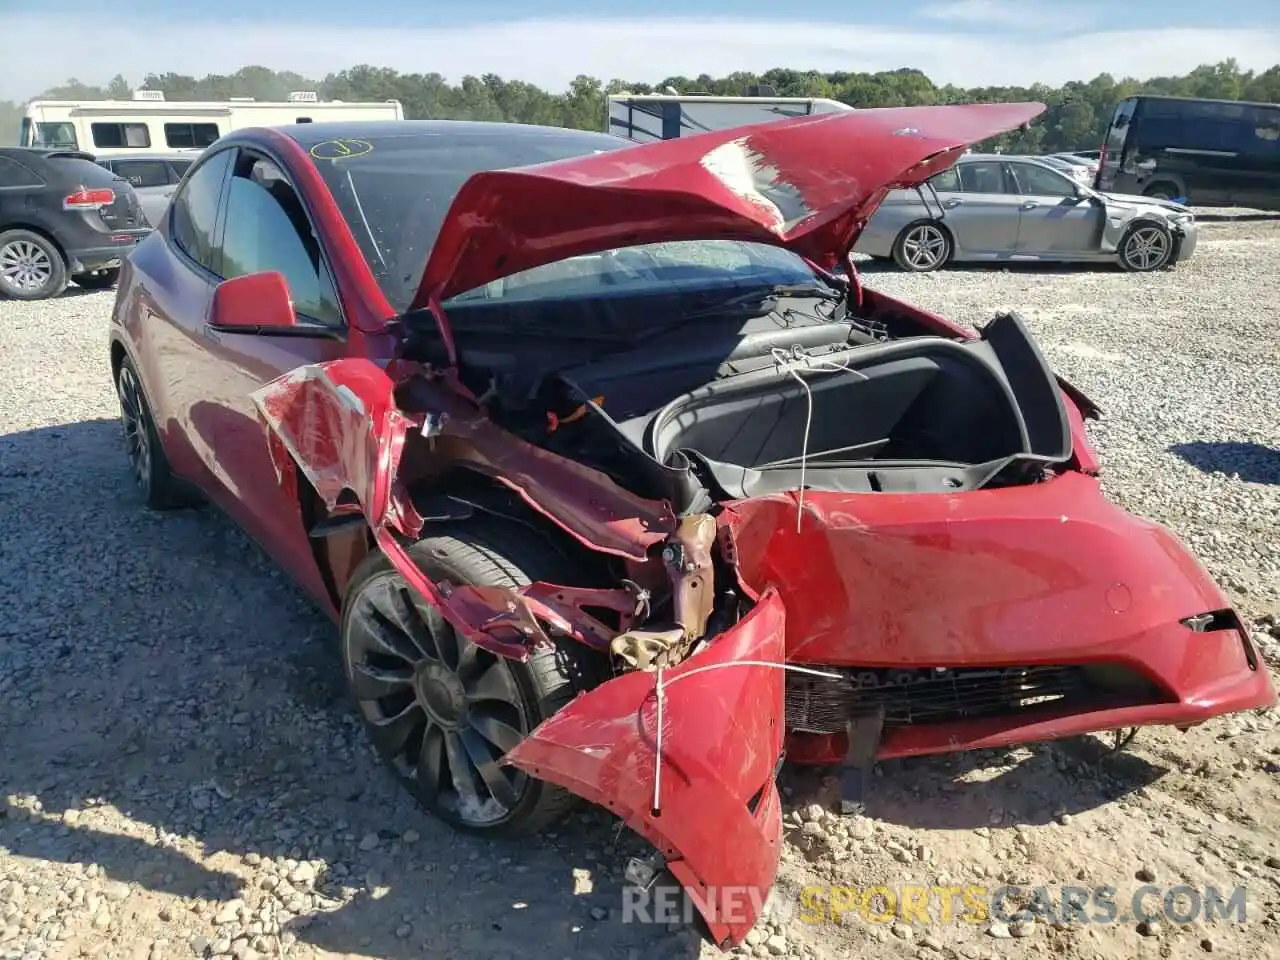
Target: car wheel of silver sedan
(1147, 246)
(922, 247)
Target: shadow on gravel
(171, 710)
(1032, 785)
(869, 267)
(1252, 462)
(1236, 217)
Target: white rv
(660, 116)
(149, 123)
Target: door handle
(1030, 205)
(952, 202)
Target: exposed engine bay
(800, 395)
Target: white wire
(660, 689)
(788, 361)
(656, 804)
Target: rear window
(180, 167)
(84, 173)
(113, 135)
(143, 173)
(190, 135)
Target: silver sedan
(1005, 209)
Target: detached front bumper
(1185, 237)
(710, 807)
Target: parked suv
(153, 176)
(63, 217)
(1209, 153)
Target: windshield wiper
(763, 299)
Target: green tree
(1077, 113)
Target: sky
(967, 42)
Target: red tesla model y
(621, 487)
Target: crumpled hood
(1134, 200)
(807, 184)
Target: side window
(120, 135)
(982, 176)
(1036, 181)
(143, 173)
(14, 174)
(195, 209)
(179, 168)
(1262, 134)
(267, 229)
(182, 135)
(948, 181)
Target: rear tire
(922, 246)
(1162, 190)
(98, 280)
(161, 490)
(31, 266)
(442, 712)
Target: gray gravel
(181, 776)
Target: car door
(169, 291)
(1053, 221)
(152, 181)
(264, 226)
(982, 214)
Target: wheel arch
(463, 492)
(460, 495)
(41, 231)
(1166, 179)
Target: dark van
(1202, 152)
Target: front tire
(31, 266)
(98, 280)
(922, 246)
(442, 712)
(1147, 246)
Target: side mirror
(253, 303)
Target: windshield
(395, 189)
(58, 135)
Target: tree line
(1077, 116)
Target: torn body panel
(341, 423)
(710, 805)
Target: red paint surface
(722, 734)
(821, 178)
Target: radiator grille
(939, 695)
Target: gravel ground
(181, 776)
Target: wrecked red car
(622, 487)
